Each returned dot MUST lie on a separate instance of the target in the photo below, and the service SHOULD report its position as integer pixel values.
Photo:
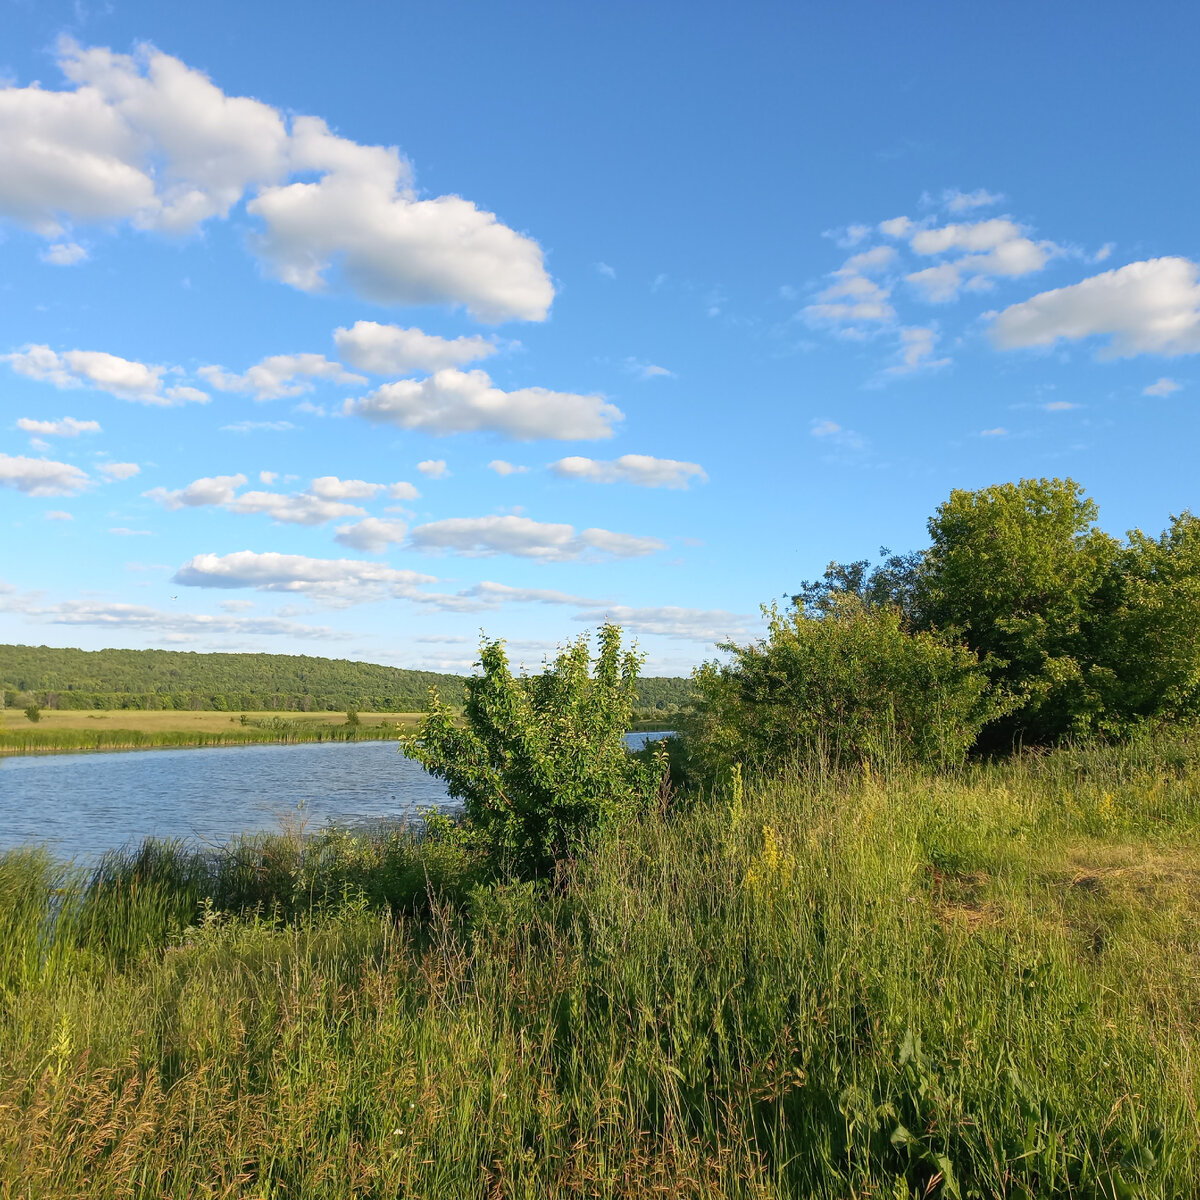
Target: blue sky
(353, 332)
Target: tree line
(53, 677)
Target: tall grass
(982, 984)
(57, 741)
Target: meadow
(58, 730)
(981, 982)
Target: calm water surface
(78, 805)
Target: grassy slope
(983, 985)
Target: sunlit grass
(983, 984)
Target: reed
(980, 983)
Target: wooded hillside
(154, 679)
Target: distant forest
(181, 679)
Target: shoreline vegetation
(65, 731)
(981, 981)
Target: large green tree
(1014, 571)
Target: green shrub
(844, 688)
(34, 712)
(540, 762)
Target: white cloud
(392, 350)
(641, 469)
(372, 534)
(145, 138)
(602, 268)
(57, 514)
(996, 247)
(433, 468)
(1161, 387)
(64, 254)
(258, 427)
(916, 352)
(330, 487)
(174, 624)
(67, 427)
(323, 500)
(956, 201)
(853, 299)
(280, 375)
(41, 476)
(999, 431)
(691, 624)
(896, 227)
(492, 595)
(526, 538)
(122, 531)
(299, 508)
(268, 477)
(121, 377)
(501, 467)
(1150, 307)
(119, 470)
(392, 247)
(338, 579)
(645, 370)
(214, 489)
(453, 401)
(846, 438)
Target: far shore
(69, 730)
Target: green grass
(36, 739)
(979, 985)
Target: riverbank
(981, 983)
(64, 731)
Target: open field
(81, 729)
(984, 983)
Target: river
(78, 805)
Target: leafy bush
(34, 712)
(847, 687)
(540, 762)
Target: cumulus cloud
(64, 254)
(433, 468)
(121, 377)
(147, 139)
(956, 201)
(690, 624)
(526, 538)
(995, 247)
(453, 401)
(57, 514)
(501, 467)
(280, 375)
(119, 470)
(641, 469)
(917, 348)
(333, 579)
(392, 350)
(1149, 307)
(41, 476)
(373, 534)
(213, 489)
(403, 491)
(1161, 387)
(298, 508)
(325, 499)
(67, 427)
(999, 431)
